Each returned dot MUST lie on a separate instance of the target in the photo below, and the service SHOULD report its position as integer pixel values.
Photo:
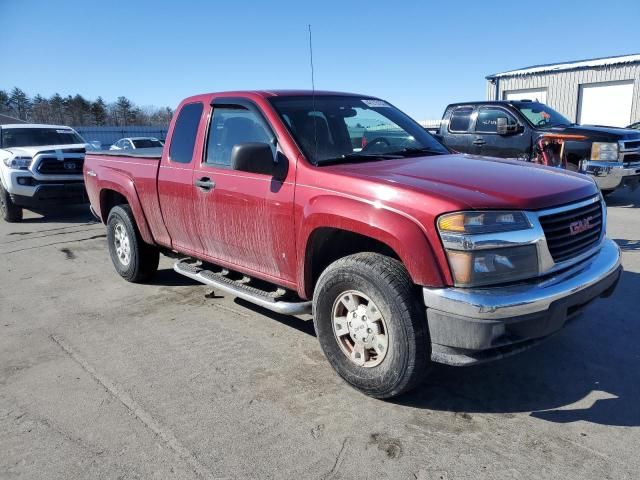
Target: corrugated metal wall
(563, 88)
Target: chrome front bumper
(611, 175)
(472, 325)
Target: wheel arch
(326, 236)
(114, 193)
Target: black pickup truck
(512, 128)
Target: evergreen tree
(123, 110)
(20, 104)
(4, 102)
(99, 112)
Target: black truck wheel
(371, 324)
(135, 260)
(10, 211)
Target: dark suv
(511, 129)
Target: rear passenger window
(230, 126)
(460, 119)
(488, 119)
(184, 133)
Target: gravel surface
(100, 378)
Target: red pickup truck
(405, 253)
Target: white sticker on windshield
(375, 103)
(64, 131)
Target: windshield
(541, 115)
(334, 129)
(147, 143)
(36, 137)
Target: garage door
(537, 94)
(606, 103)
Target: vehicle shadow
(627, 245)
(624, 198)
(302, 325)
(68, 214)
(168, 277)
(590, 371)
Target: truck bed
(132, 173)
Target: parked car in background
(512, 128)
(40, 167)
(133, 143)
(406, 254)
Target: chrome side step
(241, 288)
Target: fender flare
(125, 186)
(400, 233)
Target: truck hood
(33, 151)
(597, 133)
(469, 181)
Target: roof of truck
(273, 93)
(491, 102)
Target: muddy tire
(135, 260)
(9, 211)
(371, 324)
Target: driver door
(244, 219)
(489, 143)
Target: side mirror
(503, 127)
(258, 158)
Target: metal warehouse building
(601, 91)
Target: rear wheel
(371, 324)
(135, 260)
(10, 211)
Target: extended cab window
(184, 133)
(231, 125)
(460, 119)
(487, 121)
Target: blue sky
(418, 55)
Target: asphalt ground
(100, 378)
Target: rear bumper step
(241, 289)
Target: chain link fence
(103, 137)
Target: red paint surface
(260, 226)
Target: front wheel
(10, 211)
(135, 260)
(371, 324)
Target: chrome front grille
(571, 232)
(629, 151)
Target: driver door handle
(205, 184)
(479, 142)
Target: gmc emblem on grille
(69, 165)
(581, 226)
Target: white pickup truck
(40, 167)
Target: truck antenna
(313, 98)
(313, 86)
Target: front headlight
(483, 222)
(604, 151)
(19, 163)
(488, 247)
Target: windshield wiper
(358, 157)
(417, 151)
